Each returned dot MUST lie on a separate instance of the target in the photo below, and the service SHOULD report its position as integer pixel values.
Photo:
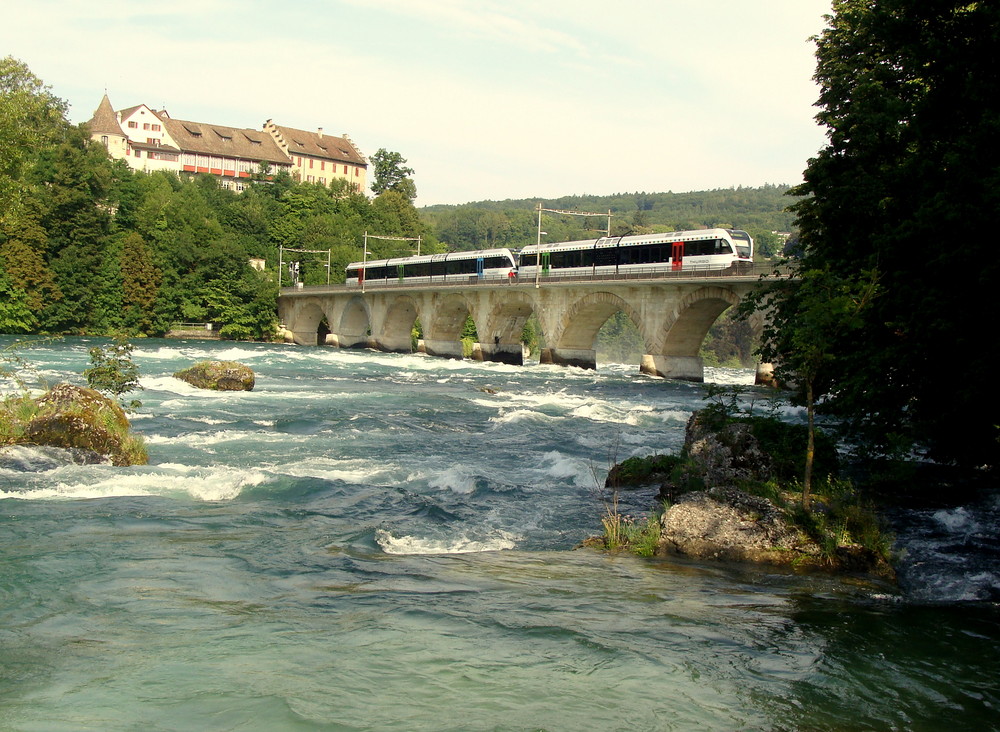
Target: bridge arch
(675, 351)
(687, 326)
(355, 323)
(305, 322)
(500, 328)
(573, 339)
(446, 319)
(584, 319)
(397, 325)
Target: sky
(486, 99)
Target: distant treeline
(514, 223)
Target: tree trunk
(810, 447)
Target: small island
(90, 426)
(732, 494)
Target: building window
(145, 125)
(133, 125)
(104, 140)
(138, 153)
(156, 128)
(345, 170)
(322, 165)
(310, 162)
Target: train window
(705, 247)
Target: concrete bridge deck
(672, 311)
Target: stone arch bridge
(672, 312)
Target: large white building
(149, 140)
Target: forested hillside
(513, 223)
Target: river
(388, 542)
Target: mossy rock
(62, 397)
(218, 376)
(79, 418)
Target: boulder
(728, 524)
(726, 455)
(219, 376)
(79, 418)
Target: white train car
(674, 251)
(485, 264)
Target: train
(431, 268)
(675, 251)
(645, 253)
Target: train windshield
(744, 244)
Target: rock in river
(218, 375)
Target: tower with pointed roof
(104, 127)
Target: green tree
(905, 193)
(31, 117)
(808, 319)
(391, 173)
(72, 180)
(141, 280)
(15, 314)
(23, 246)
(113, 371)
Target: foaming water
(376, 541)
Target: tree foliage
(900, 204)
(389, 173)
(113, 371)
(31, 117)
(16, 315)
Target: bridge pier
(443, 349)
(685, 368)
(348, 341)
(511, 354)
(303, 337)
(584, 358)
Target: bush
(642, 470)
(113, 371)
